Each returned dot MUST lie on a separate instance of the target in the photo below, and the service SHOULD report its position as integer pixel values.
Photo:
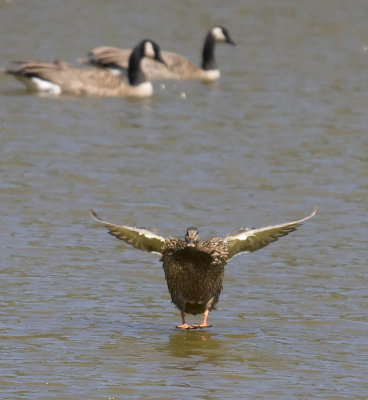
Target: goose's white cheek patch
(218, 34)
(149, 50)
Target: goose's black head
(221, 34)
(191, 237)
(145, 48)
(149, 48)
(214, 35)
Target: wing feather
(140, 238)
(248, 240)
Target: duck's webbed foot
(200, 326)
(184, 325)
(204, 322)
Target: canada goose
(194, 269)
(60, 77)
(177, 66)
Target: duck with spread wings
(194, 269)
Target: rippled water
(83, 316)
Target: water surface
(83, 316)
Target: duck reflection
(198, 344)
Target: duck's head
(191, 237)
(151, 49)
(221, 34)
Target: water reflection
(199, 344)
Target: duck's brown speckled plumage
(194, 269)
(194, 275)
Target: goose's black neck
(208, 54)
(135, 73)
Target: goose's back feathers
(116, 61)
(177, 67)
(112, 58)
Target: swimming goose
(194, 269)
(60, 77)
(177, 66)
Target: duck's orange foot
(200, 326)
(183, 326)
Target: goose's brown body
(176, 66)
(194, 274)
(60, 77)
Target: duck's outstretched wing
(248, 240)
(140, 238)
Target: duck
(194, 268)
(59, 77)
(176, 66)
